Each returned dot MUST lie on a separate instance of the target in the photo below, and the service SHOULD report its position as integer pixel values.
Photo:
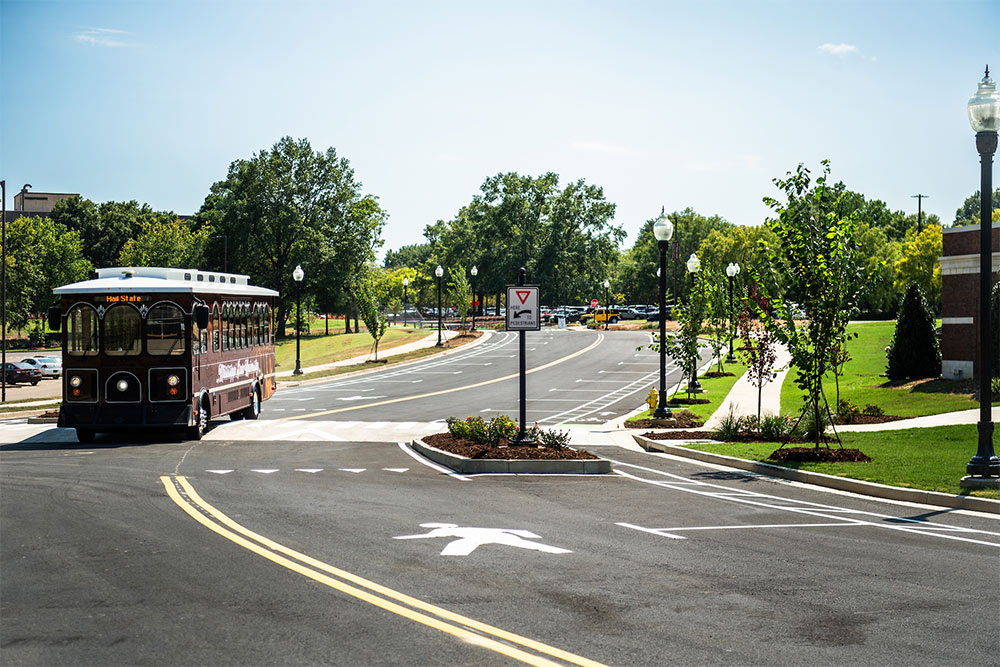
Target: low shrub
(775, 428)
(730, 427)
(503, 429)
(872, 410)
(809, 426)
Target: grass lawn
(716, 390)
(932, 459)
(319, 349)
(862, 378)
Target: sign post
(523, 314)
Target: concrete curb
(467, 466)
(829, 481)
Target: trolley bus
(154, 348)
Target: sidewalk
(742, 398)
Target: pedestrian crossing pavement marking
(266, 471)
(396, 469)
(354, 470)
(311, 470)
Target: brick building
(960, 299)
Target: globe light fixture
(663, 231)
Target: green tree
(816, 267)
(682, 346)
(291, 205)
(173, 244)
(968, 213)
(919, 263)
(41, 255)
(366, 294)
(914, 351)
(407, 256)
(105, 229)
(878, 254)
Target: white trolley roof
(157, 279)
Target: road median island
(469, 466)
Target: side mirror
(201, 316)
(55, 318)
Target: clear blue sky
(678, 104)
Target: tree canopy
(289, 206)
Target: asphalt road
(258, 550)
(572, 377)
(663, 562)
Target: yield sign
(523, 295)
(522, 308)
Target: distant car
(15, 373)
(51, 367)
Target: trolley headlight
(75, 381)
(122, 385)
(173, 380)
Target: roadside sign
(593, 303)
(522, 308)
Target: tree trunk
(282, 313)
(347, 320)
(326, 321)
(357, 329)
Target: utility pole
(920, 213)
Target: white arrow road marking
(354, 470)
(396, 469)
(356, 398)
(470, 538)
(313, 470)
(267, 471)
(220, 472)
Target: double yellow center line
(179, 490)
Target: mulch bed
(818, 455)
(865, 419)
(682, 419)
(469, 449)
(688, 401)
(717, 374)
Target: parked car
(22, 373)
(51, 367)
(600, 315)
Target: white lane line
(220, 472)
(669, 532)
(396, 469)
(430, 464)
(266, 471)
(354, 470)
(915, 526)
(312, 470)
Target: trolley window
(216, 327)
(81, 332)
(122, 331)
(165, 330)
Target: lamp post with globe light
(732, 271)
(663, 230)
(693, 267)
(475, 272)
(984, 116)
(439, 272)
(607, 304)
(298, 274)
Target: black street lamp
(663, 229)
(406, 281)
(475, 272)
(298, 274)
(607, 305)
(984, 115)
(732, 271)
(439, 272)
(693, 267)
